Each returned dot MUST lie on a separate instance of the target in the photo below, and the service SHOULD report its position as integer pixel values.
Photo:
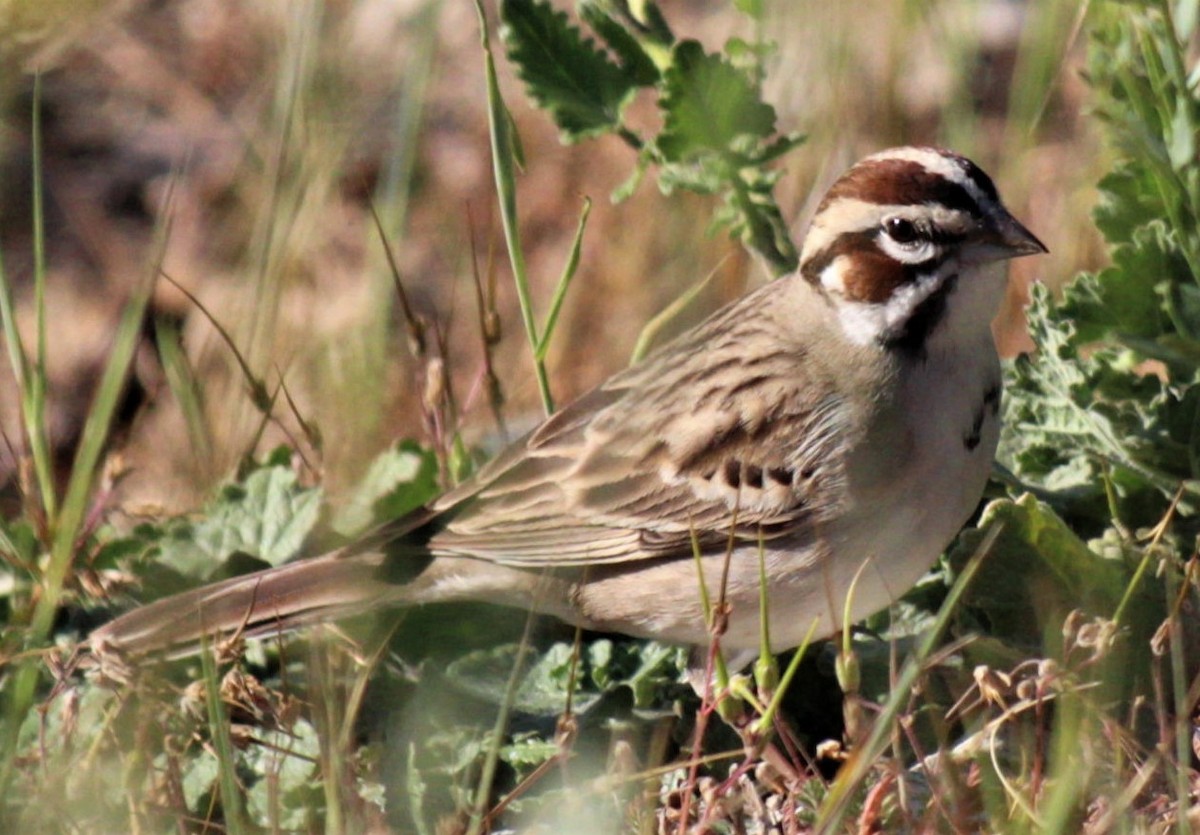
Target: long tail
(270, 601)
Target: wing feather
(686, 446)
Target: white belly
(906, 517)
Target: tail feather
(270, 601)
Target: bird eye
(900, 230)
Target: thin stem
(500, 130)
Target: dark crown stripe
(901, 182)
(981, 180)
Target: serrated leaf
(707, 104)
(637, 64)
(755, 219)
(527, 751)
(702, 179)
(1113, 302)
(1128, 198)
(577, 83)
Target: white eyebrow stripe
(842, 216)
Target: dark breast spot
(753, 476)
(971, 439)
(732, 472)
(991, 398)
(990, 404)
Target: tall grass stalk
(33, 395)
(506, 156)
(68, 525)
(232, 813)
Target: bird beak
(1009, 239)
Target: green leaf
(287, 785)
(1086, 411)
(18, 542)
(543, 689)
(527, 751)
(199, 777)
(1128, 198)
(701, 179)
(636, 63)
(1037, 572)
(178, 551)
(584, 91)
(752, 8)
(660, 668)
(646, 668)
(1110, 304)
(266, 517)
(707, 105)
(1182, 135)
(399, 480)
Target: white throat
(870, 323)
(961, 315)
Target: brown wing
(703, 438)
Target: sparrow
(826, 436)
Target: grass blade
(218, 727)
(34, 394)
(564, 281)
(868, 752)
(652, 328)
(504, 164)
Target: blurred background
(241, 145)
